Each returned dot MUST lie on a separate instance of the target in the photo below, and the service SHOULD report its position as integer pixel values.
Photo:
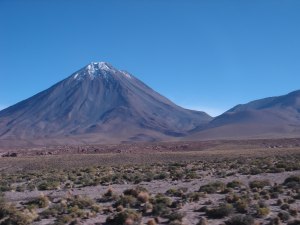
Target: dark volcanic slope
(266, 118)
(97, 104)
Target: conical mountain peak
(99, 69)
(98, 104)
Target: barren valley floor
(225, 182)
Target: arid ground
(212, 182)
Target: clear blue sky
(203, 54)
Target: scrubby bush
(127, 217)
(81, 202)
(109, 192)
(259, 183)
(143, 197)
(285, 206)
(5, 186)
(275, 221)
(41, 202)
(175, 192)
(240, 220)
(292, 182)
(234, 184)
(48, 185)
(161, 199)
(284, 215)
(175, 216)
(213, 187)
(219, 212)
(242, 206)
(232, 198)
(262, 211)
(10, 215)
(193, 196)
(161, 209)
(293, 178)
(293, 212)
(202, 221)
(147, 208)
(127, 201)
(151, 222)
(279, 202)
(131, 192)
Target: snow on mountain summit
(98, 69)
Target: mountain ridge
(101, 104)
(270, 117)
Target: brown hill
(274, 117)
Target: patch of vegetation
(219, 212)
(259, 183)
(127, 217)
(213, 187)
(240, 220)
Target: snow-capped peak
(93, 70)
(99, 69)
(100, 66)
(96, 66)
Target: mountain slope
(97, 104)
(265, 118)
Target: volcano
(97, 104)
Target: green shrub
(161, 199)
(63, 219)
(213, 187)
(219, 212)
(81, 202)
(293, 178)
(54, 211)
(5, 186)
(131, 192)
(175, 192)
(20, 188)
(124, 218)
(161, 209)
(127, 201)
(232, 198)
(202, 221)
(10, 215)
(240, 220)
(41, 202)
(234, 184)
(284, 215)
(292, 182)
(285, 206)
(193, 196)
(48, 185)
(242, 206)
(262, 211)
(175, 216)
(293, 212)
(259, 183)
(135, 192)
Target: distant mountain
(97, 104)
(266, 118)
